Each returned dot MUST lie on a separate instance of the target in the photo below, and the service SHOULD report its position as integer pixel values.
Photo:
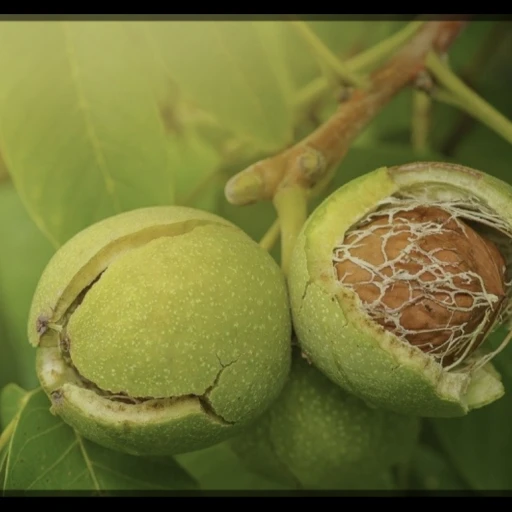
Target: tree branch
(313, 160)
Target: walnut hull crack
(89, 273)
(151, 402)
(137, 318)
(64, 343)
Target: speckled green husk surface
(174, 307)
(342, 341)
(318, 436)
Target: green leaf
(480, 444)
(273, 34)
(11, 399)
(224, 67)
(46, 454)
(4, 173)
(3, 459)
(80, 130)
(196, 165)
(164, 88)
(218, 468)
(24, 252)
(9, 368)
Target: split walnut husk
(396, 281)
(161, 330)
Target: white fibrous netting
(423, 273)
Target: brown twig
(310, 162)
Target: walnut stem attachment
(292, 209)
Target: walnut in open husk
(397, 279)
(425, 275)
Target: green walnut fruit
(396, 281)
(161, 330)
(318, 436)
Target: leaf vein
(49, 468)
(88, 462)
(89, 125)
(129, 478)
(30, 439)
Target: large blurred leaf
(195, 166)
(4, 173)
(9, 369)
(11, 400)
(46, 454)
(273, 34)
(164, 88)
(224, 67)
(79, 126)
(480, 444)
(24, 252)
(218, 468)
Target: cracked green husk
(161, 330)
(338, 337)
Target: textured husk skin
(318, 436)
(338, 337)
(188, 310)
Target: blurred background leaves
(46, 454)
(24, 252)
